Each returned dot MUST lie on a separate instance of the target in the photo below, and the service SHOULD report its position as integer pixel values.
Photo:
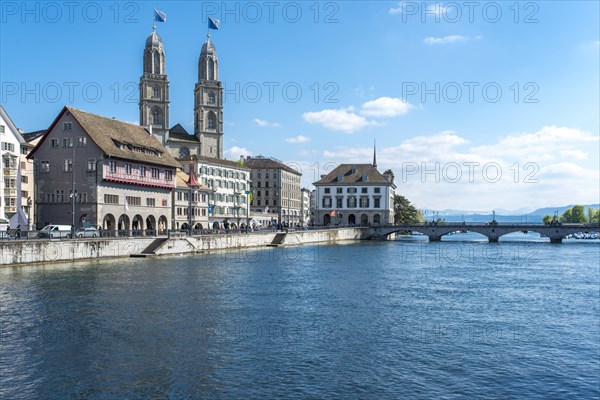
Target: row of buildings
(90, 170)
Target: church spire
(374, 154)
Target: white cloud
(397, 10)
(234, 153)
(263, 123)
(574, 154)
(298, 139)
(449, 39)
(385, 107)
(535, 167)
(344, 120)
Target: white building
(230, 181)
(354, 194)
(305, 210)
(11, 206)
(190, 203)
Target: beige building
(230, 181)
(190, 203)
(275, 190)
(97, 171)
(28, 176)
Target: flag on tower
(213, 23)
(159, 16)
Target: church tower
(208, 103)
(154, 89)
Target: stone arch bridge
(492, 231)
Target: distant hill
(517, 216)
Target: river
(376, 320)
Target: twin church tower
(207, 139)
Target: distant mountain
(522, 215)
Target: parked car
(87, 232)
(55, 231)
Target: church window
(155, 117)
(211, 70)
(212, 121)
(211, 97)
(156, 92)
(156, 63)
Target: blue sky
(422, 78)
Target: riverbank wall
(23, 252)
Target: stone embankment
(20, 252)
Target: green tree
(593, 215)
(576, 215)
(390, 172)
(404, 212)
(547, 219)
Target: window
(67, 142)
(2, 129)
(364, 202)
(351, 190)
(24, 179)
(128, 169)
(327, 190)
(211, 97)
(45, 166)
(82, 141)
(326, 202)
(155, 117)
(112, 166)
(8, 146)
(274, 202)
(377, 190)
(150, 202)
(376, 202)
(53, 143)
(156, 92)
(67, 126)
(111, 199)
(339, 202)
(211, 121)
(142, 171)
(351, 202)
(68, 165)
(339, 190)
(133, 201)
(168, 175)
(155, 173)
(364, 190)
(91, 164)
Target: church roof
(153, 39)
(119, 139)
(208, 47)
(354, 174)
(179, 134)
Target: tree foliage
(593, 215)
(404, 212)
(547, 219)
(390, 172)
(576, 214)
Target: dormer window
(365, 178)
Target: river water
(376, 320)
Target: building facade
(28, 176)
(305, 209)
(97, 171)
(230, 183)
(190, 203)
(354, 194)
(275, 190)
(11, 171)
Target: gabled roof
(31, 136)
(268, 163)
(118, 139)
(179, 134)
(354, 174)
(11, 125)
(183, 179)
(215, 161)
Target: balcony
(136, 179)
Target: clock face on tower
(184, 152)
